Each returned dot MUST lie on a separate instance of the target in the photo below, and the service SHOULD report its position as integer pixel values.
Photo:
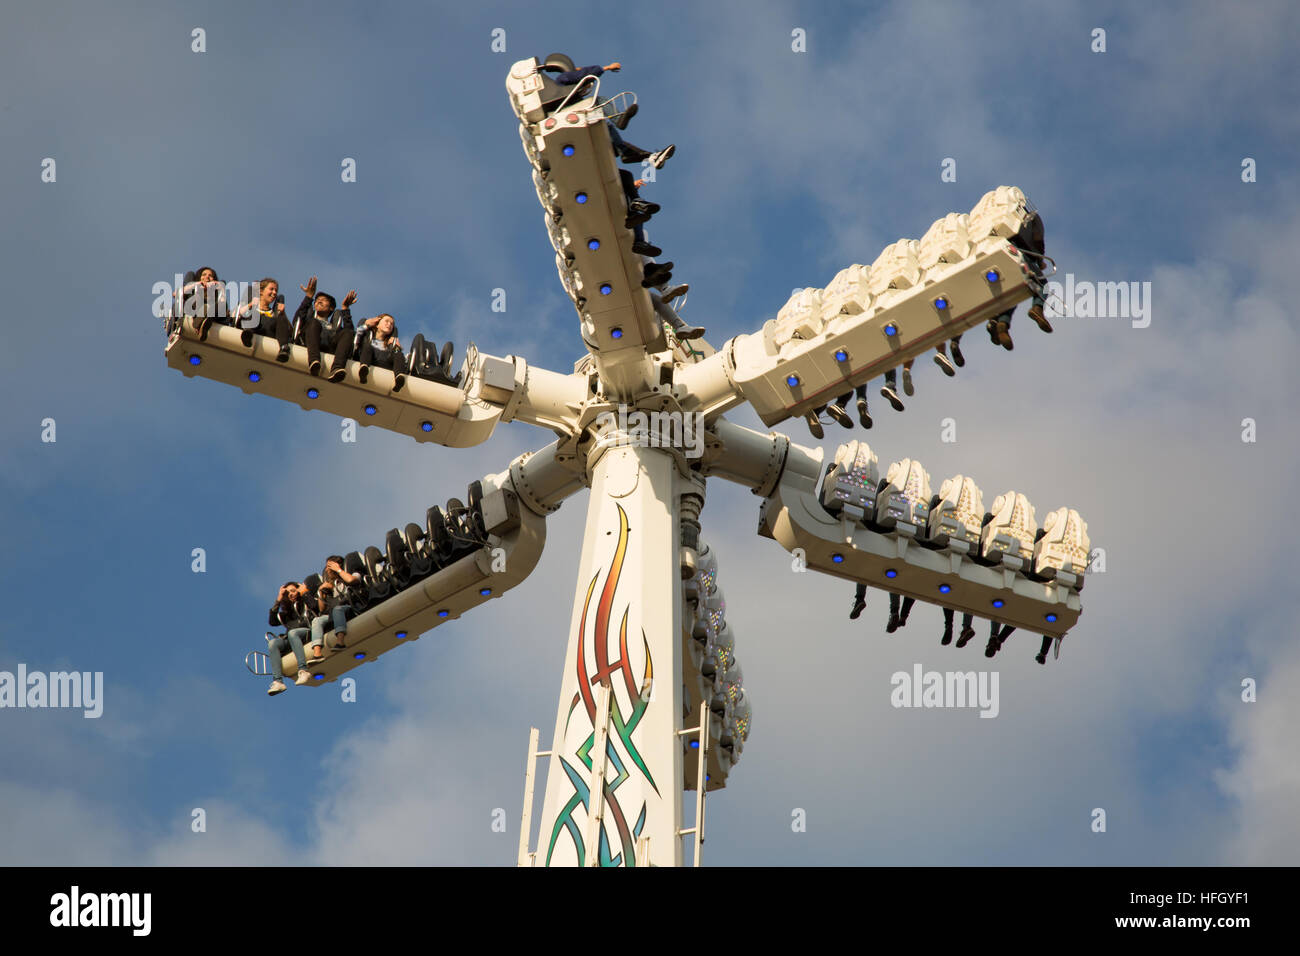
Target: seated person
(320, 325)
(205, 300)
(289, 611)
(332, 602)
(380, 346)
(668, 315)
(268, 310)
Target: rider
(289, 611)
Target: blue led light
(254, 376)
(837, 558)
(891, 330)
(606, 289)
(891, 573)
(580, 198)
(567, 151)
(359, 656)
(426, 426)
(313, 393)
(998, 602)
(992, 275)
(485, 591)
(318, 676)
(401, 635)
(593, 244)
(945, 588)
(941, 303)
(841, 355)
(616, 333)
(792, 380)
(443, 613)
(1051, 619)
(695, 745)
(195, 360)
(370, 409)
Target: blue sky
(789, 166)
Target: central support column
(626, 633)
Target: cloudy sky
(790, 165)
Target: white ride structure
(652, 698)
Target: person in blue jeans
(331, 601)
(291, 612)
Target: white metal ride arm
(916, 295)
(576, 175)
(514, 508)
(892, 533)
(492, 389)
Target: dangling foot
(941, 360)
(277, 687)
(246, 337)
(304, 677)
(947, 636)
(398, 381)
(363, 373)
(814, 426)
(956, 354)
(894, 400)
(1036, 313)
(892, 626)
(908, 390)
(643, 248)
(1041, 658)
(658, 159)
(314, 367)
(626, 116)
(338, 374)
(1003, 335)
(966, 634)
(203, 325)
(859, 604)
(863, 415)
(839, 414)
(690, 332)
(283, 354)
(675, 291)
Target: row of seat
(955, 519)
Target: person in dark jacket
(332, 603)
(381, 346)
(265, 317)
(321, 325)
(205, 300)
(291, 612)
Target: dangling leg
(907, 378)
(837, 412)
(887, 390)
(892, 626)
(947, 626)
(859, 602)
(967, 631)
(907, 609)
(1042, 651)
(864, 414)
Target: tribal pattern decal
(622, 727)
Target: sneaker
(941, 360)
(908, 390)
(863, 415)
(814, 426)
(993, 331)
(203, 325)
(635, 219)
(892, 626)
(839, 414)
(992, 647)
(956, 354)
(363, 373)
(314, 368)
(690, 332)
(638, 207)
(966, 634)
(398, 381)
(338, 374)
(643, 248)
(626, 118)
(338, 639)
(1041, 658)
(894, 400)
(283, 354)
(304, 677)
(277, 687)
(246, 337)
(658, 159)
(1036, 313)
(675, 291)
(859, 605)
(947, 637)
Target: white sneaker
(304, 677)
(277, 687)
